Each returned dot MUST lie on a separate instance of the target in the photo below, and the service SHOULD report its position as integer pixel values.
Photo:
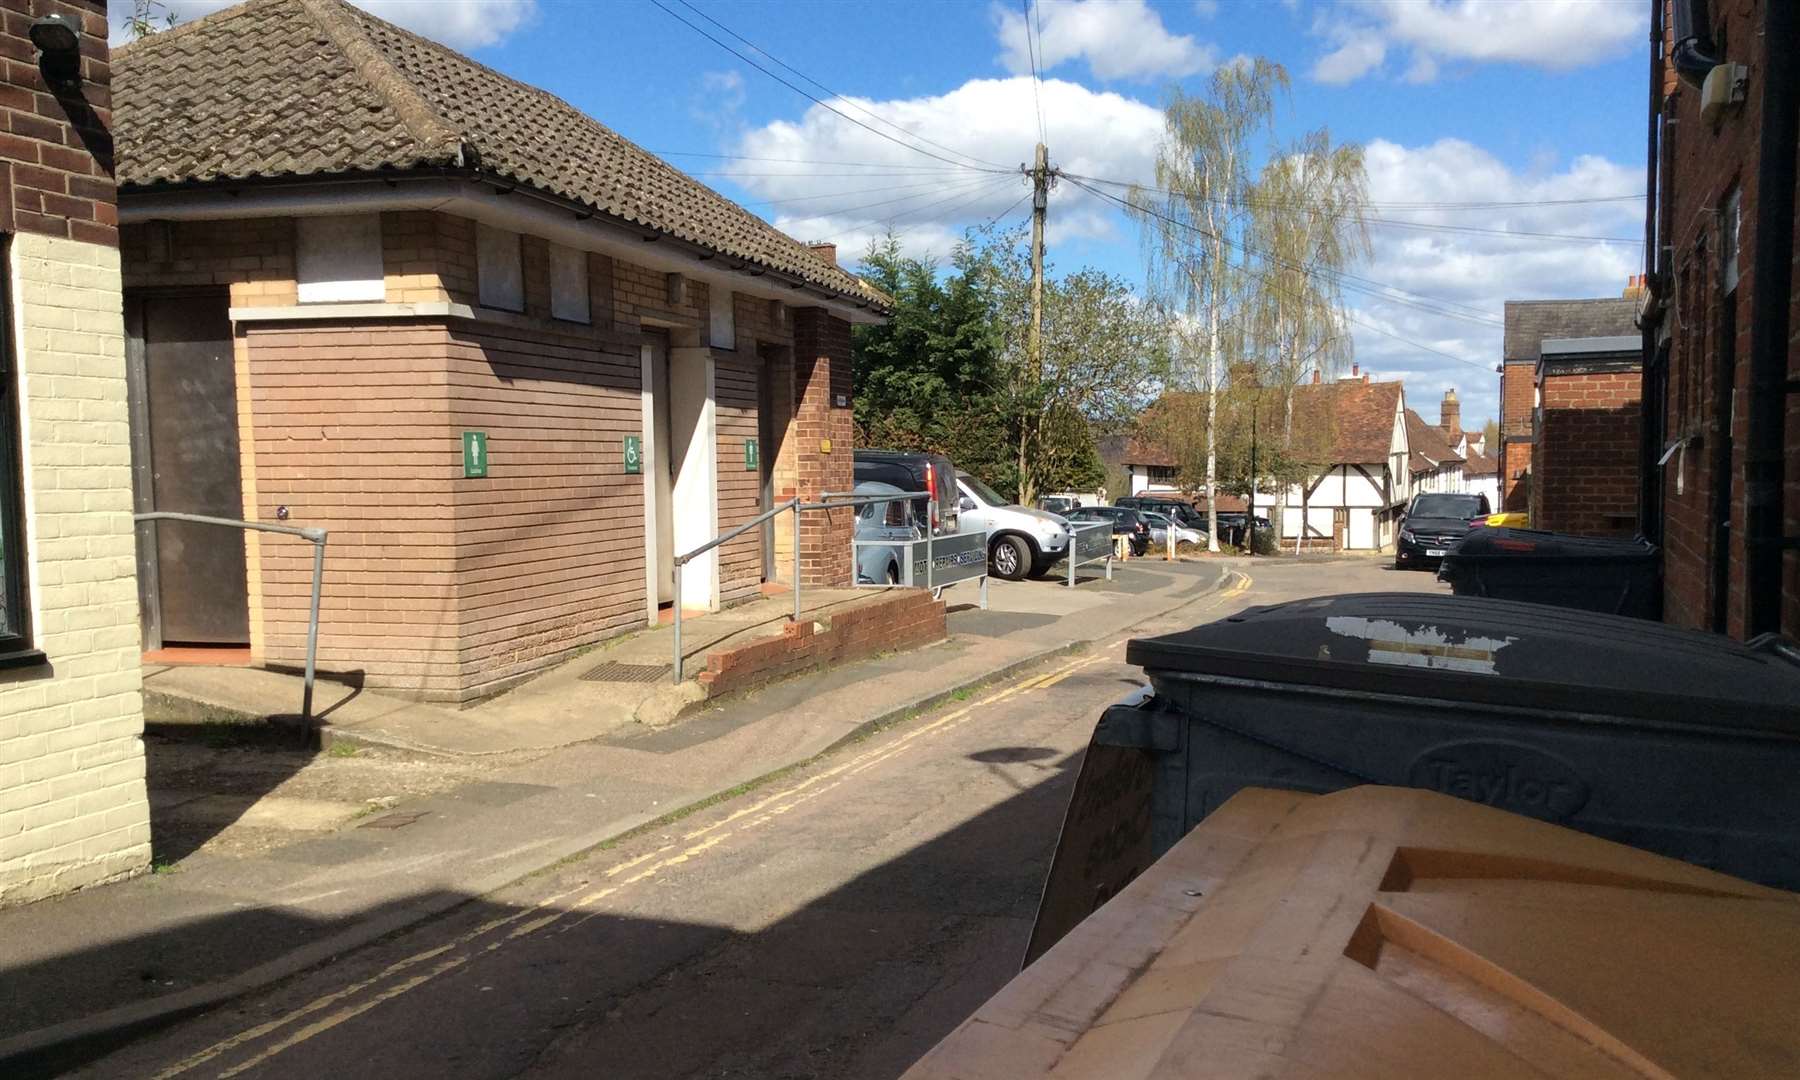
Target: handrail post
(931, 513)
(678, 658)
(796, 559)
(312, 626)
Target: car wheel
(1009, 558)
(1399, 562)
(893, 574)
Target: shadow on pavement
(856, 983)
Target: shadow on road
(855, 983)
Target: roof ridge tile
(435, 136)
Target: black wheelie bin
(1592, 573)
(1675, 741)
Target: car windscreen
(986, 494)
(1462, 507)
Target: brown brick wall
(1584, 465)
(1516, 398)
(822, 370)
(353, 433)
(904, 619)
(524, 565)
(1705, 163)
(1515, 474)
(56, 153)
(549, 547)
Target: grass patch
(164, 868)
(340, 748)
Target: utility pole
(1040, 207)
(1250, 510)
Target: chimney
(1315, 376)
(1450, 416)
(825, 251)
(1635, 286)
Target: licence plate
(1434, 553)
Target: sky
(1529, 115)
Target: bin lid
(1537, 543)
(1494, 652)
(1394, 933)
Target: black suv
(1434, 524)
(1180, 511)
(1125, 522)
(915, 471)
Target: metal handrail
(794, 504)
(313, 535)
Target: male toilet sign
(752, 456)
(634, 454)
(475, 454)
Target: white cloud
(719, 98)
(1472, 275)
(461, 24)
(929, 202)
(1550, 34)
(1119, 39)
(1356, 57)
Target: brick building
(511, 361)
(1530, 323)
(1721, 419)
(73, 810)
(1584, 450)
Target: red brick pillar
(822, 415)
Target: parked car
(914, 471)
(1059, 504)
(881, 564)
(1124, 520)
(1021, 540)
(1433, 524)
(1234, 526)
(1178, 510)
(1160, 525)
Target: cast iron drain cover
(395, 821)
(631, 673)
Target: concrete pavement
(836, 922)
(94, 968)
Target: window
(500, 266)
(15, 630)
(723, 334)
(338, 259)
(1162, 474)
(1731, 218)
(568, 284)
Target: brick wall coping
(1610, 344)
(429, 309)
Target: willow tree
(1194, 218)
(1308, 224)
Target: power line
(802, 161)
(1031, 51)
(1275, 285)
(1344, 279)
(1420, 206)
(819, 101)
(961, 198)
(989, 223)
(959, 187)
(934, 184)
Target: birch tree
(1308, 223)
(1194, 217)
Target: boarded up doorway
(185, 458)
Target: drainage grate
(627, 673)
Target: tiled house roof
(1530, 322)
(1427, 445)
(317, 88)
(1360, 415)
(1122, 450)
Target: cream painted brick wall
(73, 810)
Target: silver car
(1160, 526)
(1021, 541)
(880, 564)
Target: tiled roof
(1530, 322)
(1361, 415)
(1475, 464)
(1133, 450)
(317, 88)
(1429, 449)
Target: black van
(915, 471)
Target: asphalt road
(835, 922)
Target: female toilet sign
(475, 455)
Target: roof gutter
(516, 207)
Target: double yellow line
(321, 1016)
